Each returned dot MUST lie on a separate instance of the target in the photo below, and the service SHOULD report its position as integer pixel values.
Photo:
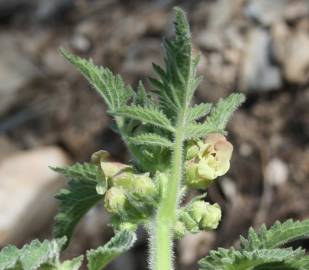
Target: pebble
(266, 12)
(276, 172)
(257, 71)
(27, 190)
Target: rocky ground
(49, 115)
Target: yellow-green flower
(208, 159)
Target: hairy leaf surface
(78, 198)
(37, 255)
(261, 250)
(111, 87)
(100, 257)
(147, 115)
(198, 111)
(151, 139)
(278, 235)
(223, 111)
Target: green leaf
(78, 198)
(223, 110)
(73, 264)
(231, 259)
(33, 256)
(147, 115)
(278, 235)
(301, 264)
(198, 111)
(261, 250)
(151, 139)
(78, 171)
(9, 257)
(120, 243)
(111, 87)
(176, 84)
(196, 131)
(142, 98)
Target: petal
(207, 170)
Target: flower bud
(138, 183)
(179, 229)
(144, 185)
(198, 210)
(115, 200)
(207, 160)
(198, 215)
(206, 215)
(192, 150)
(189, 222)
(124, 178)
(212, 217)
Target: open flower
(208, 159)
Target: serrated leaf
(278, 235)
(111, 87)
(32, 256)
(151, 139)
(73, 264)
(9, 257)
(78, 198)
(78, 171)
(198, 130)
(198, 111)
(100, 257)
(35, 254)
(147, 115)
(176, 83)
(142, 98)
(223, 110)
(231, 259)
(261, 250)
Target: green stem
(166, 215)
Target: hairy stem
(166, 215)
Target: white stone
(276, 172)
(81, 42)
(257, 71)
(296, 61)
(27, 189)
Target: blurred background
(50, 116)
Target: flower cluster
(131, 197)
